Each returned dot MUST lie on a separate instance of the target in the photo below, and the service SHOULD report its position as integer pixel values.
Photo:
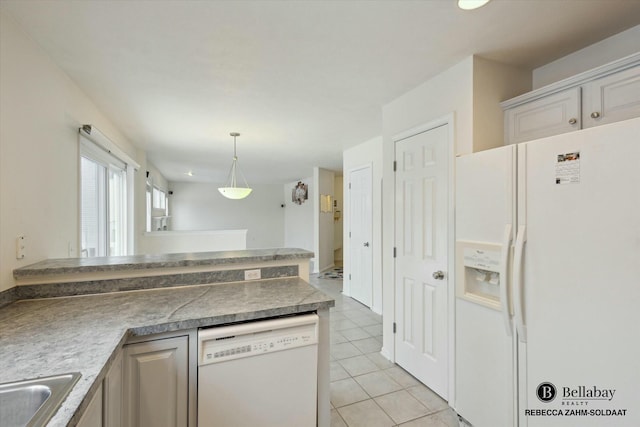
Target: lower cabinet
(112, 394)
(92, 416)
(156, 383)
(105, 408)
(150, 383)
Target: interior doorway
(361, 235)
(422, 255)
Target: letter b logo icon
(546, 392)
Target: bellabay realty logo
(547, 392)
(574, 396)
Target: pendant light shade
(231, 189)
(471, 4)
(235, 193)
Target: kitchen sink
(33, 402)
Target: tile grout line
(359, 312)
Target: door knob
(438, 275)
(595, 115)
(366, 244)
(573, 121)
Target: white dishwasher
(261, 373)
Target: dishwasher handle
(227, 343)
(256, 326)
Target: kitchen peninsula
(140, 297)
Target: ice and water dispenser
(479, 271)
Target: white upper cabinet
(603, 95)
(551, 115)
(612, 98)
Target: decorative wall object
(300, 193)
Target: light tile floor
(366, 389)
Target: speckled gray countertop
(83, 334)
(141, 262)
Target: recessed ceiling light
(471, 4)
(189, 173)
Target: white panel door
(421, 280)
(360, 232)
(581, 275)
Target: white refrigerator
(548, 281)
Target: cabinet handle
(572, 121)
(595, 115)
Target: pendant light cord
(235, 156)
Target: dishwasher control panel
(250, 339)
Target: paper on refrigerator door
(568, 168)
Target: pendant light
(471, 4)
(231, 190)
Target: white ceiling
(300, 80)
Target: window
(104, 207)
(148, 204)
(159, 200)
(157, 206)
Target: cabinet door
(156, 383)
(612, 98)
(112, 401)
(92, 416)
(551, 115)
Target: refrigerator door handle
(504, 282)
(521, 238)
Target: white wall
(156, 177)
(41, 109)
(450, 91)
(305, 226)
(166, 242)
(198, 206)
(447, 93)
(299, 221)
(367, 153)
(493, 83)
(469, 92)
(323, 221)
(603, 52)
